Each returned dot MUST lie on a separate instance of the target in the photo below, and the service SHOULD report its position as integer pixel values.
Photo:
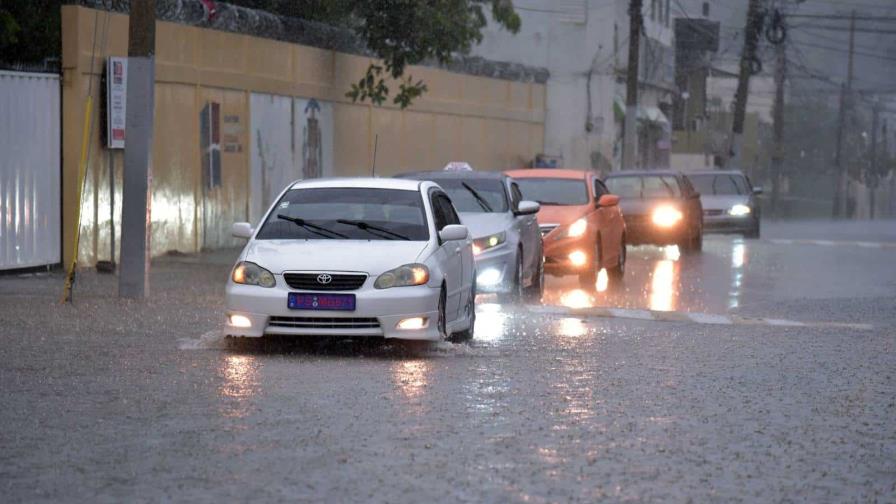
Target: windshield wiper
(370, 228)
(554, 203)
(479, 199)
(311, 228)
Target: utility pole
(778, 153)
(133, 280)
(748, 56)
(873, 175)
(630, 127)
(840, 174)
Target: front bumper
(726, 223)
(377, 312)
(557, 251)
(640, 229)
(495, 269)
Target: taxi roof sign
(458, 166)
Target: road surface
(760, 370)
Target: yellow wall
(494, 124)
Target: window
(515, 195)
(599, 189)
(459, 190)
(448, 209)
(720, 184)
(438, 212)
(644, 186)
(555, 191)
(334, 213)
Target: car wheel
(516, 289)
(754, 231)
(442, 322)
(616, 273)
(535, 291)
(588, 279)
(467, 334)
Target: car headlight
(249, 273)
(486, 242)
(739, 210)
(403, 276)
(577, 228)
(666, 216)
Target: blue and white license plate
(334, 302)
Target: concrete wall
(492, 123)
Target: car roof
(564, 173)
(447, 174)
(717, 172)
(361, 182)
(642, 173)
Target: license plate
(335, 302)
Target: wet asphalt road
(111, 401)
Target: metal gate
(29, 170)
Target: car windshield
(722, 184)
(643, 186)
(356, 213)
(554, 191)
(464, 192)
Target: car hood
(561, 214)
(371, 257)
(637, 206)
(723, 202)
(484, 224)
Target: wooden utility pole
(778, 152)
(838, 208)
(630, 126)
(747, 58)
(136, 222)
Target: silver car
(729, 201)
(507, 243)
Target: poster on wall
(314, 129)
(116, 94)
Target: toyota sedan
(355, 257)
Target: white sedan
(355, 257)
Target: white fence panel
(29, 170)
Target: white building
(584, 45)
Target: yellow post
(82, 170)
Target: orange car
(580, 221)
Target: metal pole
(630, 126)
(841, 176)
(778, 152)
(751, 38)
(872, 178)
(111, 208)
(133, 281)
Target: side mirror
(757, 190)
(242, 230)
(608, 200)
(527, 208)
(454, 232)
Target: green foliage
(29, 30)
(401, 33)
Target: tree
(29, 31)
(401, 33)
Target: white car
(355, 257)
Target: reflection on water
(576, 298)
(671, 252)
(602, 281)
(738, 260)
(572, 327)
(491, 322)
(663, 292)
(240, 382)
(411, 377)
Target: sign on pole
(116, 107)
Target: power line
(841, 17)
(842, 29)
(843, 51)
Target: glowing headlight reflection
(577, 228)
(572, 327)
(490, 322)
(576, 298)
(578, 258)
(666, 216)
(490, 276)
(739, 210)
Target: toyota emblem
(324, 278)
